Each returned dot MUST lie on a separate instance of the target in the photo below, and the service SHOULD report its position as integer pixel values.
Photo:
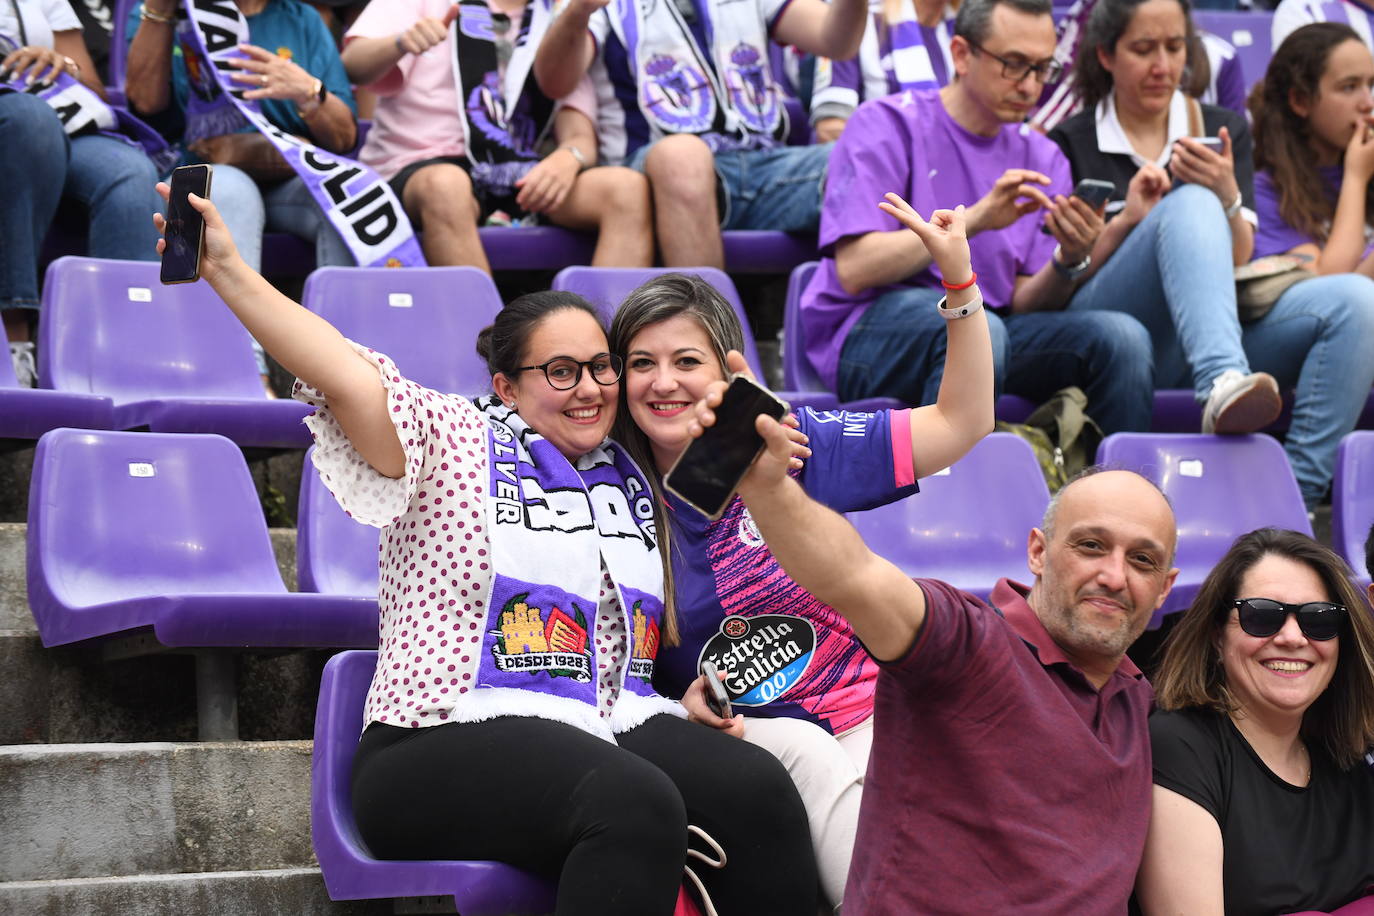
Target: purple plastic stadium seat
(350, 871)
(968, 525)
(1250, 32)
(425, 320)
(607, 287)
(27, 413)
(173, 358)
(1220, 486)
(1352, 500)
(335, 555)
(747, 251)
(129, 531)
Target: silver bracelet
(962, 311)
(1232, 210)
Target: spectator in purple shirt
(869, 314)
(1010, 770)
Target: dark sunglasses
(1263, 617)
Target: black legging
(609, 822)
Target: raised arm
(303, 342)
(943, 432)
(879, 258)
(367, 60)
(832, 29)
(1181, 868)
(819, 549)
(567, 49)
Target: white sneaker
(25, 368)
(1241, 403)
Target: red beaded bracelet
(971, 280)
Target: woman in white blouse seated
(512, 715)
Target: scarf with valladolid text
(83, 112)
(358, 202)
(554, 524)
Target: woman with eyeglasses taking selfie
(1264, 790)
(512, 714)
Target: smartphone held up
(709, 470)
(185, 232)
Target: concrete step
(92, 810)
(72, 695)
(277, 892)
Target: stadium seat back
(1220, 487)
(350, 872)
(111, 328)
(1352, 500)
(425, 320)
(969, 523)
(797, 372)
(116, 515)
(335, 555)
(607, 287)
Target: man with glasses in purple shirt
(869, 312)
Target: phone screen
(185, 226)
(709, 469)
(1093, 192)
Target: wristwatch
(1069, 271)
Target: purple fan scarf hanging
(504, 117)
(554, 525)
(83, 112)
(357, 201)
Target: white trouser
(829, 773)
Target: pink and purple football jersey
(787, 654)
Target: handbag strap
(1195, 128)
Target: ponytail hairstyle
(1107, 22)
(1283, 138)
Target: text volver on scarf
(358, 202)
(82, 112)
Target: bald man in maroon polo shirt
(1010, 770)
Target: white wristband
(962, 311)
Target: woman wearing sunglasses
(1263, 789)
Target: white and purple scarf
(357, 201)
(553, 526)
(83, 112)
(505, 118)
(733, 100)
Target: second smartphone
(707, 472)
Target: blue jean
(1174, 274)
(248, 208)
(113, 179)
(35, 147)
(778, 189)
(1316, 339)
(897, 349)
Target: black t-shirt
(1286, 848)
(1077, 137)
